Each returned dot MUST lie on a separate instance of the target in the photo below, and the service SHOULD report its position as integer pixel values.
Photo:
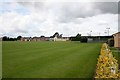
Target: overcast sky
(47, 17)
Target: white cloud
(66, 18)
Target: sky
(36, 18)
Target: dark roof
(26, 37)
(116, 33)
(40, 37)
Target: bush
(75, 38)
(84, 39)
(110, 42)
(107, 66)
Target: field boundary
(107, 66)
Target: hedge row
(107, 66)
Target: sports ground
(49, 59)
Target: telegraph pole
(99, 36)
(108, 30)
(90, 33)
(105, 33)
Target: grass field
(114, 52)
(49, 59)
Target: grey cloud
(68, 11)
(77, 9)
(32, 5)
(20, 30)
(71, 10)
(107, 7)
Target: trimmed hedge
(107, 66)
(84, 39)
(111, 42)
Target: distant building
(57, 37)
(98, 38)
(61, 39)
(90, 39)
(26, 39)
(40, 39)
(117, 40)
(35, 39)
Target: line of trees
(78, 37)
(5, 38)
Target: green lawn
(49, 59)
(115, 52)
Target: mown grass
(49, 59)
(115, 52)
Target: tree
(110, 42)
(60, 35)
(42, 36)
(19, 37)
(78, 35)
(56, 34)
(5, 38)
